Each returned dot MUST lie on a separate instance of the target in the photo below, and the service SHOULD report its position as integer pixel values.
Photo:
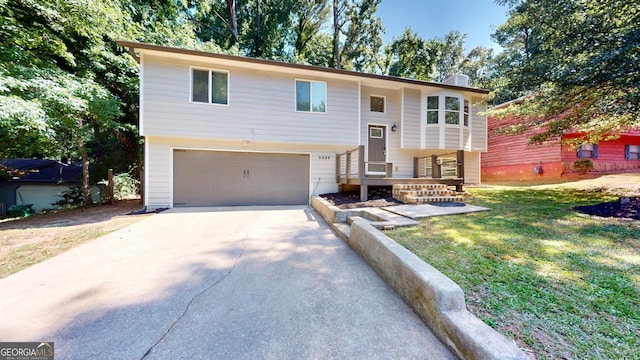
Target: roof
(43, 170)
(143, 46)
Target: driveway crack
(186, 309)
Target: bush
(20, 210)
(124, 186)
(583, 166)
(73, 196)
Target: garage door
(216, 178)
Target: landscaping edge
(435, 298)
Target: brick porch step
(425, 193)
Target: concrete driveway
(214, 283)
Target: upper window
(311, 96)
(632, 152)
(376, 103)
(588, 151)
(466, 113)
(432, 109)
(209, 86)
(451, 110)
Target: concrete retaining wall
(434, 297)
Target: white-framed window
(588, 151)
(632, 152)
(375, 132)
(432, 109)
(209, 86)
(466, 112)
(451, 110)
(311, 96)
(376, 103)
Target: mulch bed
(624, 208)
(378, 196)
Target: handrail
(439, 166)
(345, 173)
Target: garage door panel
(213, 178)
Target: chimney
(457, 79)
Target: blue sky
(434, 18)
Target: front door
(377, 150)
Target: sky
(434, 18)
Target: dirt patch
(26, 241)
(378, 197)
(626, 207)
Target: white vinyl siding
(432, 138)
(261, 107)
(451, 138)
(411, 119)
(472, 168)
(478, 126)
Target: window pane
(219, 87)
(451, 117)
(452, 103)
(319, 96)
(376, 104)
(432, 102)
(432, 117)
(303, 96)
(200, 86)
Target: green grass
(562, 284)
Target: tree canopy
(577, 63)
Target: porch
(445, 169)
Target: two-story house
(229, 130)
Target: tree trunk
(86, 186)
(336, 34)
(233, 21)
(258, 41)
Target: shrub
(124, 186)
(583, 166)
(20, 210)
(73, 196)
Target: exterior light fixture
(394, 128)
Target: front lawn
(561, 284)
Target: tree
(578, 60)
(309, 15)
(411, 56)
(356, 22)
(451, 55)
(363, 38)
(478, 65)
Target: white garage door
(216, 178)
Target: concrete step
(343, 230)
